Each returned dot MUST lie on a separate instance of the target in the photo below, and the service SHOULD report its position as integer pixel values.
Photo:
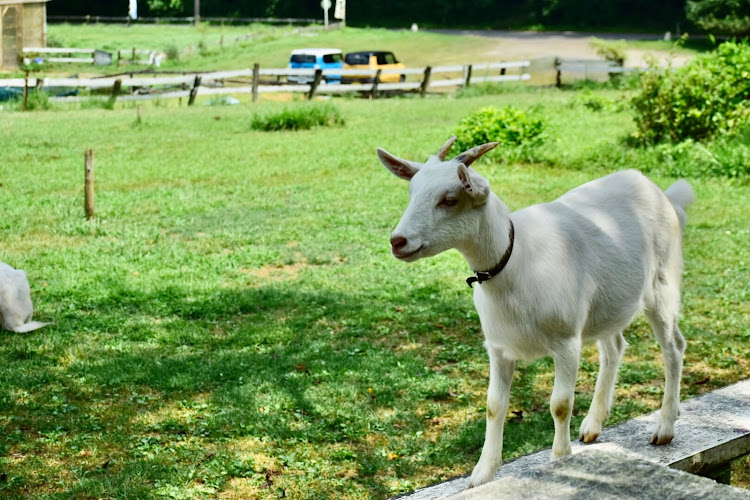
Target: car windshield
(303, 58)
(357, 58)
(331, 58)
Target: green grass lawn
(232, 324)
(212, 47)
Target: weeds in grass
(302, 116)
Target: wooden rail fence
(255, 81)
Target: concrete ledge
(600, 475)
(713, 429)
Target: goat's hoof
(590, 430)
(482, 474)
(663, 434)
(557, 455)
(659, 440)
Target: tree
(720, 17)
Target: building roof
(315, 52)
(16, 2)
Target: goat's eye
(448, 201)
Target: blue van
(316, 59)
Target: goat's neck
(486, 248)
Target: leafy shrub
(37, 100)
(726, 157)
(300, 116)
(728, 17)
(509, 126)
(706, 98)
(596, 102)
(611, 50)
(172, 52)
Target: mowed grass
(232, 324)
(211, 47)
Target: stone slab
(602, 475)
(713, 429)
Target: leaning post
(194, 90)
(425, 81)
(467, 75)
(89, 184)
(315, 83)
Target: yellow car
(373, 60)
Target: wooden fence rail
(587, 67)
(138, 87)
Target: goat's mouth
(407, 255)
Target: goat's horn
(468, 157)
(446, 147)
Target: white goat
(553, 276)
(15, 301)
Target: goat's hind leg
(663, 315)
(611, 350)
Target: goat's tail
(681, 195)
(29, 327)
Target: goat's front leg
(567, 357)
(501, 375)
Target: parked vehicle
(373, 60)
(315, 59)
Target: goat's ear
(474, 184)
(398, 167)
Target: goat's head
(446, 201)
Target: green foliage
(172, 52)
(492, 88)
(37, 100)
(597, 102)
(706, 98)
(299, 116)
(165, 7)
(509, 126)
(725, 157)
(720, 17)
(611, 50)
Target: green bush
(725, 157)
(37, 100)
(727, 17)
(301, 116)
(708, 97)
(597, 102)
(509, 126)
(611, 50)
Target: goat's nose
(398, 242)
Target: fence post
(256, 76)
(89, 184)
(558, 78)
(315, 83)
(115, 91)
(375, 81)
(425, 81)
(194, 90)
(132, 61)
(26, 91)
(467, 75)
